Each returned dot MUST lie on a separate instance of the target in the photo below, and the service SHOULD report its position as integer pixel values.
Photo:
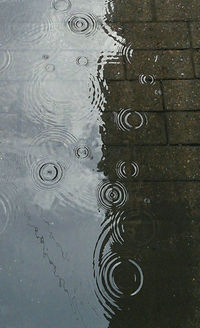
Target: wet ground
(99, 163)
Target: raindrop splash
(82, 24)
(127, 120)
(111, 195)
(124, 170)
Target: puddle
(99, 164)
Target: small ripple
(127, 120)
(146, 79)
(82, 24)
(82, 151)
(124, 170)
(82, 61)
(47, 174)
(111, 195)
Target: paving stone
(184, 128)
(134, 95)
(167, 163)
(157, 35)
(196, 56)
(177, 9)
(114, 71)
(159, 197)
(128, 11)
(172, 64)
(195, 31)
(151, 132)
(182, 95)
(158, 163)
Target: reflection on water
(88, 237)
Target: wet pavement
(99, 162)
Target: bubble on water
(5, 60)
(50, 68)
(146, 79)
(111, 195)
(82, 61)
(123, 118)
(124, 169)
(47, 173)
(61, 5)
(82, 24)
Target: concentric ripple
(47, 174)
(111, 195)
(127, 53)
(6, 206)
(50, 100)
(127, 120)
(115, 279)
(139, 227)
(124, 170)
(51, 144)
(82, 151)
(32, 34)
(61, 5)
(82, 24)
(146, 79)
(5, 60)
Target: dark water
(99, 199)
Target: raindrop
(124, 170)
(82, 61)
(111, 194)
(82, 152)
(47, 174)
(82, 24)
(146, 79)
(123, 118)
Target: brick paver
(157, 35)
(182, 95)
(166, 64)
(130, 94)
